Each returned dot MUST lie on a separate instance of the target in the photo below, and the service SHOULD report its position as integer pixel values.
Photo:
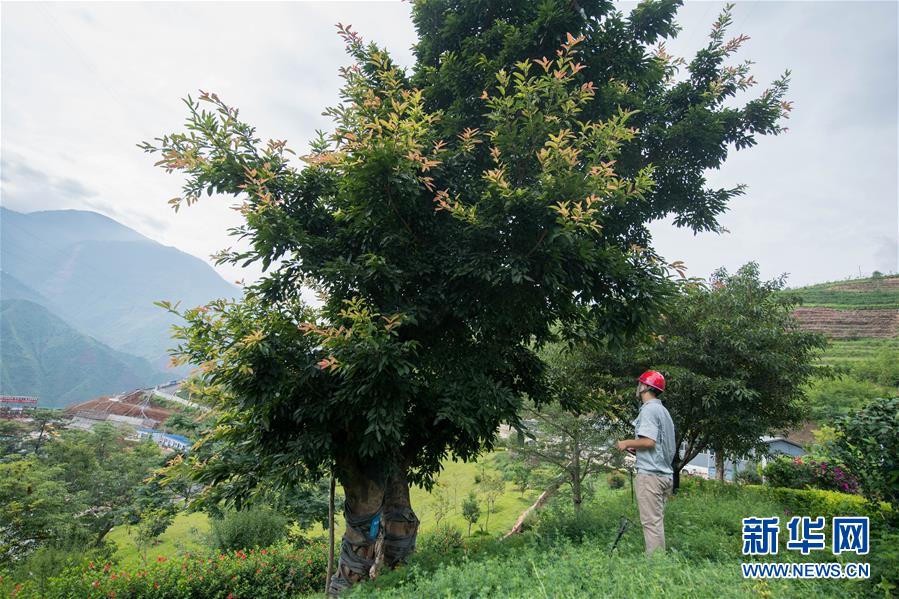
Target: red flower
(106, 567)
(96, 584)
(230, 596)
(155, 585)
(91, 565)
(161, 559)
(263, 552)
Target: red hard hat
(653, 379)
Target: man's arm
(639, 443)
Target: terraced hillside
(854, 309)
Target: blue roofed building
(166, 440)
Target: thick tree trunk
(363, 486)
(400, 521)
(380, 524)
(719, 465)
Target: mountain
(102, 277)
(41, 355)
(13, 288)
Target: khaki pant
(652, 491)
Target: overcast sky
(82, 84)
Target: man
(654, 448)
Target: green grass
(185, 535)
(875, 294)
(188, 531)
(564, 555)
(849, 352)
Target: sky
(82, 84)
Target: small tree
(867, 442)
(574, 434)
(471, 510)
(152, 523)
(521, 477)
(442, 503)
(493, 485)
(738, 364)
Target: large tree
(736, 362)
(444, 254)
(688, 114)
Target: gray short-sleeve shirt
(655, 422)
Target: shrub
(791, 473)
(818, 502)
(443, 542)
(809, 473)
(272, 573)
(868, 441)
(749, 476)
(254, 527)
(615, 480)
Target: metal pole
(330, 534)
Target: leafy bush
(48, 561)
(818, 502)
(443, 542)
(791, 473)
(254, 527)
(749, 476)
(868, 441)
(615, 480)
(270, 573)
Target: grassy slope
(567, 557)
(865, 294)
(846, 352)
(187, 533)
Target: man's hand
(624, 445)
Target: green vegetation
(257, 526)
(848, 352)
(188, 534)
(703, 558)
(855, 294)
